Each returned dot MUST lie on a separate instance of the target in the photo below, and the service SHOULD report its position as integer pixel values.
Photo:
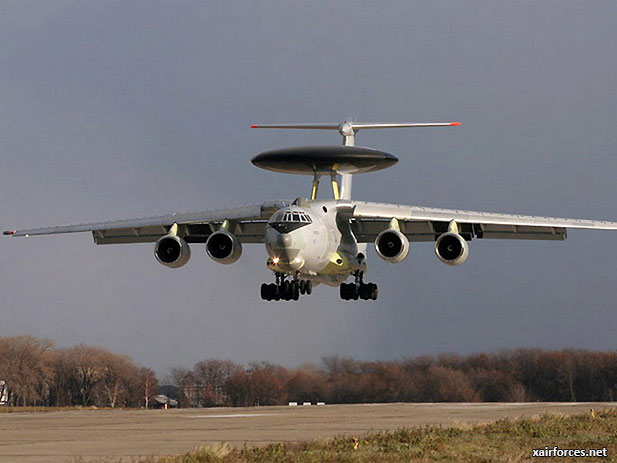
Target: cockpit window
(298, 217)
(288, 221)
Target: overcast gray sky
(124, 109)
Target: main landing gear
(359, 289)
(286, 290)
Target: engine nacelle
(224, 247)
(451, 248)
(172, 251)
(392, 246)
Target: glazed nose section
(285, 247)
(283, 250)
(284, 240)
(278, 244)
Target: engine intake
(172, 251)
(224, 247)
(392, 246)
(451, 248)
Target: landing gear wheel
(343, 291)
(265, 292)
(364, 291)
(286, 290)
(374, 292)
(275, 293)
(295, 291)
(353, 292)
(349, 291)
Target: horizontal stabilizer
(298, 126)
(355, 126)
(348, 129)
(372, 125)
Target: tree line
(37, 373)
(510, 376)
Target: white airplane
(311, 241)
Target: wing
(426, 224)
(248, 223)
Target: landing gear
(359, 289)
(306, 287)
(287, 290)
(270, 292)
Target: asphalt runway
(105, 434)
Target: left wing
(247, 222)
(426, 224)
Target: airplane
(310, 241)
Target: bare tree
(25, 365)
(184, 380)
(212, 376)
(148, 384)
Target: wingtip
(9, 232)
(455, 123)
(254, 126)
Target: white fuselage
(309, 242)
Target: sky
(112, 110)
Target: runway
(94, 434)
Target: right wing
(427, 223)
(247, 223)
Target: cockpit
(286, 221)
(290, 216)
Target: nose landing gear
(287, 290)
(359, 289)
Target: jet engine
(392, 246)
(224, 247)
(172, 251)
(451, 248)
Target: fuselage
(310, 241)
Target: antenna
(348, 130)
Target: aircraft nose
(283, 249)
(284, 240)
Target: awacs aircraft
(311, 241)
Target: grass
(501, 441)
(50, 409)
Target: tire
(302, 287)
(343, 291)
(309, 287)
(265, 292)
(353, 289)
(275, 292)
(374, 291)
(363, 292)
(295, 291)
(286, 291)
